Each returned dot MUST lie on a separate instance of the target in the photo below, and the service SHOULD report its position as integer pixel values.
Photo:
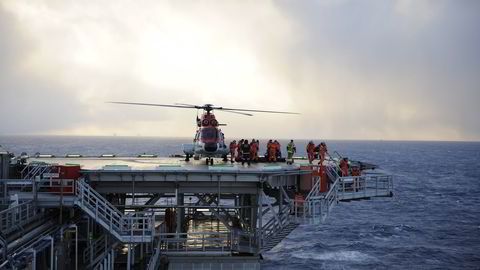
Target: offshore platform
(149, 212)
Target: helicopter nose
(210, 147)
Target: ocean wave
(344, 255)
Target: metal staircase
(278, 227)
(135, 228)
(278, 236)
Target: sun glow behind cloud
(169, 53)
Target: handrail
(16, 216)
(275, 223)
(206, 241)
(191, 241)
(97, 247)
(315, 189)
(333, 188)
(152, 263)
(124, 227)
(107, 262)
(364, 186)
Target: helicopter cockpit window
(209, 133)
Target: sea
(432, 221)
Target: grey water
(432, 222)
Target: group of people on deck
(247, 151)
(321, 149)
(244, 151)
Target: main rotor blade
(247, 114)
(152, 104)
(184, 104)
(246, 110)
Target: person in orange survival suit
(344, 166)
(310, 149)
(358, 183)
(272, 152)
(322, 150)
(253, 150)
(233, 148)
(356, 171)
(257, 147)
(269, 145)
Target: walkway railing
(214, 242)
(196, 241)
(15, 217)
(138, 227)
(316, 207)
(365, 186)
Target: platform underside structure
(164, 213)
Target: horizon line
(260, 138)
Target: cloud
(380, 71)
(93, 52)
(355, 70)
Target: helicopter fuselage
(209, 140)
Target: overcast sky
(392, 70)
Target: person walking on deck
(278, 150)
(253, 151)
(257, 144)
(322, 150)
(291, 150)
(238, 155)
(245, 148)
(272, 152)
(233, 148)
(310, 151)
(267, 154)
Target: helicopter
(209, 140)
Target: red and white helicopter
(209, 139)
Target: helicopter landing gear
(187, 158)
(209, 161)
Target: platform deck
(164, 164)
